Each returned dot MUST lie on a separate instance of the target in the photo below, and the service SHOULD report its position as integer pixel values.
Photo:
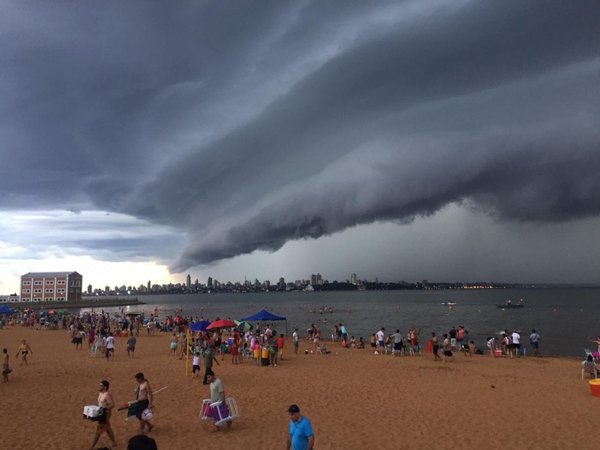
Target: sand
(355, 400)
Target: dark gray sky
(404, 140)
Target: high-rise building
(209, 283)
(316, 280)
(51, 287)
(353, 279)
(188, 281)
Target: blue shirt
(299, 433)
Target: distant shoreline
(98, 302)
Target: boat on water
(449, 303)
(511, 305)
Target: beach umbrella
(242, 325)
(222, 323)
(199, 326)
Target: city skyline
(400, 140)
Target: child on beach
(196, 365)
(173, 344)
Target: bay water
(566, 318)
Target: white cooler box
(92, 412)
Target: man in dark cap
(300, 436)
(141, 442)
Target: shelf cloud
(245, 127)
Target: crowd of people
(205, 349)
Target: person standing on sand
(143, 395)
(534, 340)
(173, 345)
(447, 346)
(24, 350)
(398, 344)
(344, 332)
(516, 344)
(380, 340)
(5, 367)
(300, 433)
(105, 401)
(295, 339)
(435, 347)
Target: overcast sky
(404, 140)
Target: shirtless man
(144, 400)
(105, 401)
(24, 350)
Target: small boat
(510, 305)
(449, 303)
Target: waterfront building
(40, 287)
(12, 298)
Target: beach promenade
(355, 400)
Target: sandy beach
(355, 400)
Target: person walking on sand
(131, 341)
(217, 394)
(110, 346)
(300, 433)
(209, 358)
(143, 395)
(5, 367)
(24, 350)
(280, 345)
(196, 365)
(106, 402)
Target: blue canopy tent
(5, 309)
(264, 316)
(199, 326)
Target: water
(565, 318)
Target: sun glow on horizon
(97, 273)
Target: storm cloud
(247, 126)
